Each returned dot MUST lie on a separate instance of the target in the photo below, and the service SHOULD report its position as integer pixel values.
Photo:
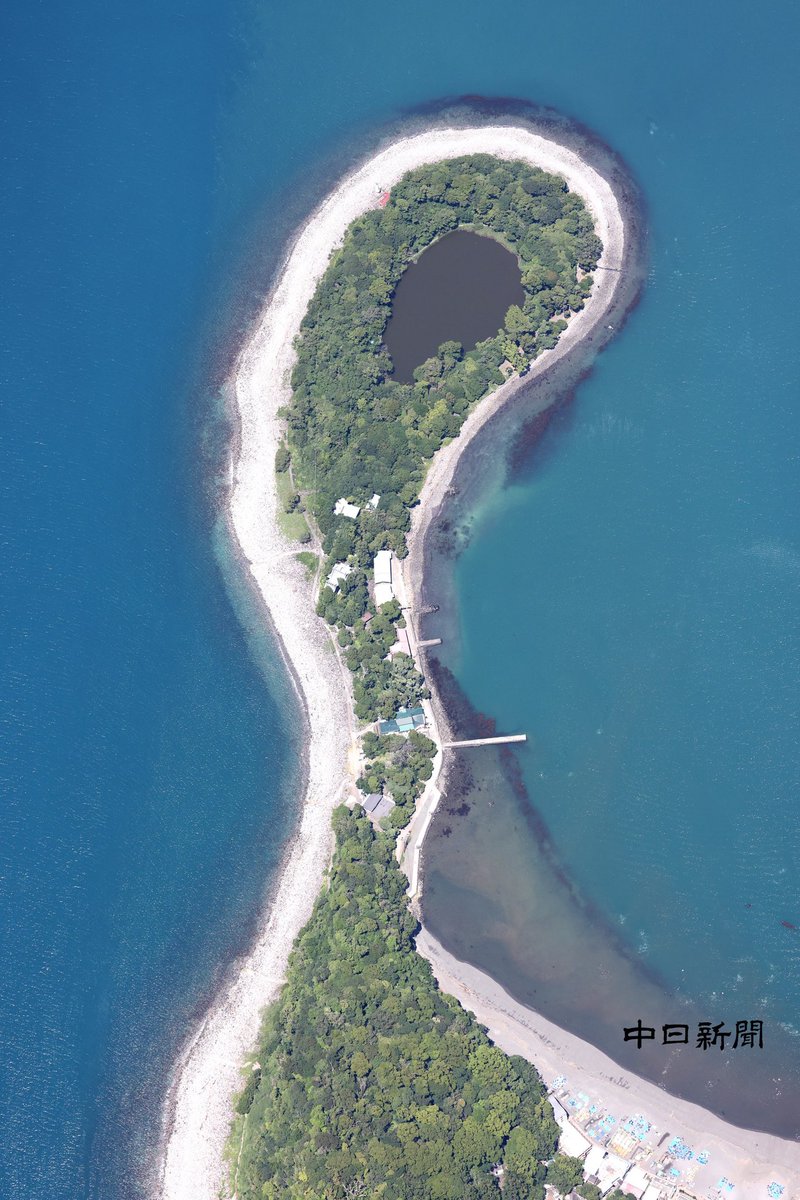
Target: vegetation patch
(401, 766)
(372, 1082)
(291, 519)
(309, 560)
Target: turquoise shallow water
(153, 159)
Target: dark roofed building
(382, 808)
(376, 805)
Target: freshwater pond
(459, 290)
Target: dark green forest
(373, 1083)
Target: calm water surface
(459, 290)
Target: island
(367, 1076)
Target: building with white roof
(373, 503)
(636, 1182)
(384, 592)
(571, 1140)
(340, 572)
(612, 1170)
(594, 1160)
(383, 566)
(343, 508)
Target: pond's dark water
(459, 290)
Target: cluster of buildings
(642, 1160)
(344, 508)
(405, 720)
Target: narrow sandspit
(199, 1109)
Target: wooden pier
(489, 741)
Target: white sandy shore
(198, 1112)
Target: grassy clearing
(308, 560)
(293, 525)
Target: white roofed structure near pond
(343, 508)
(340, 571)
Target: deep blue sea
(154, 156)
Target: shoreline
(208, 1072)
(750, 1158)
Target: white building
(343, 508)
(571, 1141)
(383, 566)
(607, 1169)
(594, 1161)
(636, 1182)
(373, 503)
(611, 1173)
(340, 571)
(384, 592)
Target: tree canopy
(372, 1082)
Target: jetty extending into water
(487, 741)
